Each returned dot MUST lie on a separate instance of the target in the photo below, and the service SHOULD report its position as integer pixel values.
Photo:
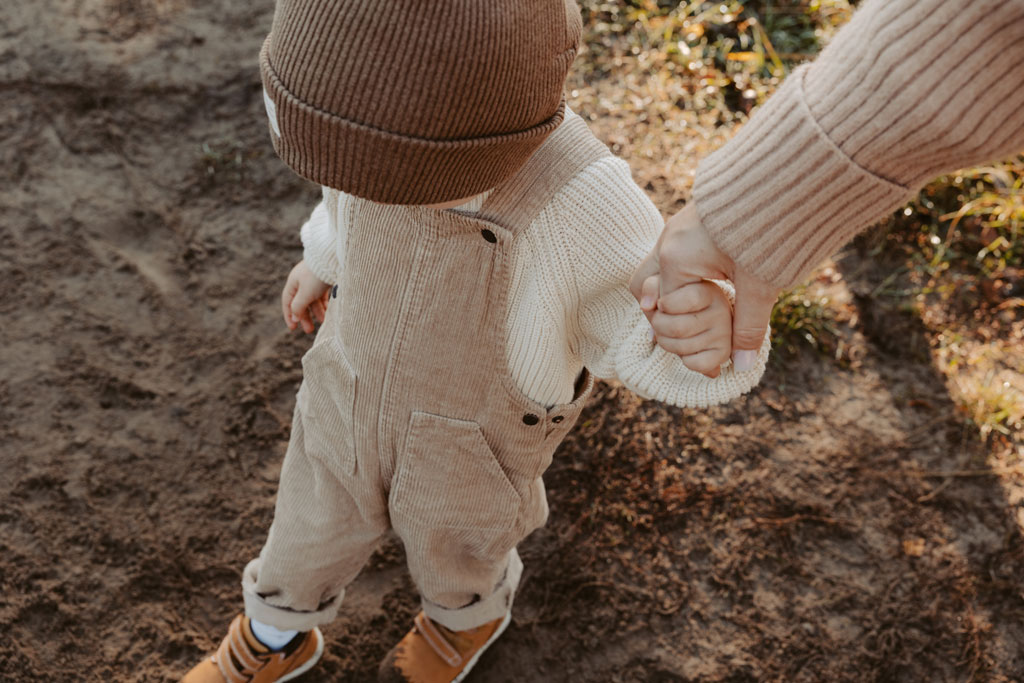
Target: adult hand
(686, 254)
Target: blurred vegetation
(971, 223)
(737, 50)
(960, 248)
(666, 81)
(802, 320)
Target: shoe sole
(309, 662)
(472, 662)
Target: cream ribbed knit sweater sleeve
(611, 225)
(320, 236)
(907, 90)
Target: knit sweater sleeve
(614, 225)
(907, 90)
(320, 237)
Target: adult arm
(905, 91)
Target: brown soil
(840, 524)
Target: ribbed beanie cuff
(404, 108)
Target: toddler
(469, 261)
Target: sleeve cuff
(780, 197)
(652, 372)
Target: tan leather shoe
(430, 653)
(241, 658)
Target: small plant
(972, 220)
(801, 320)
(221, 156)
(224, 161)
(992, 403)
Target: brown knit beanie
(415, 101)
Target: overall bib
(408, 417)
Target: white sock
(274, 638)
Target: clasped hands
(671, 287)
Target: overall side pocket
(448, 477)
(326, 403)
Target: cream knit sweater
(569, 304)
(907, 90)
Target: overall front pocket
(326, 403)
(448, 477)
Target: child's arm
(619, 345)
(609, 330)
(320, 237)
(304, 297)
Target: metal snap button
(557, 418)
(530, 419)
(489, 236)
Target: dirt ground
(839, 524)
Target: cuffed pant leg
(460, 518)
(485, 608)
(466, 577)
(320, 539)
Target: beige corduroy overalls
(409, 418)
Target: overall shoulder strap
(516, 203)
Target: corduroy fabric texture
(408, 418)
(907, 90)
(416, 102)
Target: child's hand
(693, 322)
(304, 298)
